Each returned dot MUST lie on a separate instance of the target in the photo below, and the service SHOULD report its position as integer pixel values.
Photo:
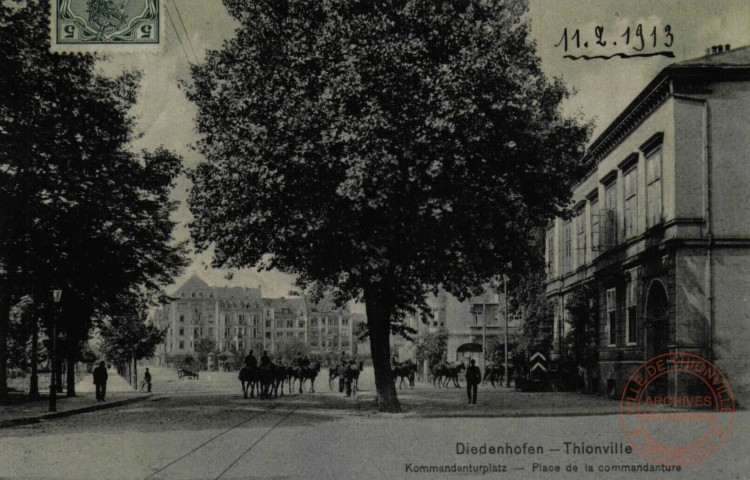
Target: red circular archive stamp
(677, 409)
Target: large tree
(379, 150)
(81, 211)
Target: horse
(353, 376)
(333, 373)
(405, 370)
(449, 372)
(249, 377)
(271, 377)
(494, 373)
(308, 373)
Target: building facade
(239, 319)
(473, 326)
(658, 228)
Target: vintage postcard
(397, 239)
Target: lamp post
(56, 296)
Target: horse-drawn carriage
(185, 373)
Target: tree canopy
(380, 150)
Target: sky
(603, 88)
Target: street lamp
(56, 296)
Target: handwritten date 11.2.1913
(630, 43)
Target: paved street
(323, 435)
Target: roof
(197, 287)
(739, 57)
(325, 304)
(292, 303)
(727, 62)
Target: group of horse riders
(443, 372)
(268, 377)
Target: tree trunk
(34, 380)
(4, 322)
(71, 372)
(135, 373)
(58, 372)
(378, 321)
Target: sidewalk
(118, 393)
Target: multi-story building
(658, 228)
(285, 320)
(231, 317)
(238, 319)
(472, 325)
(331, 327)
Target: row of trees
(80, 211)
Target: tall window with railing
(653, 188)
(595, 225)
(551, 252)
(631, 202)
(581, 237)
(567, 246)
(612, 317)
(609, 216)
(631, 311)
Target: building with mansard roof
(660, 230)
(238, 319)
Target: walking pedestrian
(147, 379)
(100, 381)
(473, 377)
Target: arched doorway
(656, 322)
(468, 351)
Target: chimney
(713, 49)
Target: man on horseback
(250, 361)
(299, 360)
(265, 360)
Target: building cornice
(656, 93)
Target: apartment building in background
(239, 319)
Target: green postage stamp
(106, 25)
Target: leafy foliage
(538, 317)
(125, 339)
(580, 341)
(432, 346)
(287, 350)
(380, 150)
(202, 348)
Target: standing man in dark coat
(473, 377)
(147, 379)
(100, 380)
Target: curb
(69, 413)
